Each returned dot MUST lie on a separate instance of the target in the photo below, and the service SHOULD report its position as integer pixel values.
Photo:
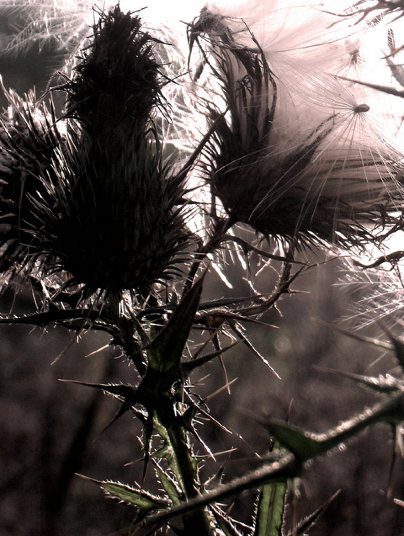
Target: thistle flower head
(289, 155)
(104, 206)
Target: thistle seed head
(291, 162)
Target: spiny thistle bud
(292, 153)
(105, 208)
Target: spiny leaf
(189, 366)
(168, 484)
(305, 445)
(165, 352)
(308, 522)
(144, 501)
(382, 384)
(51, 317)
(139, 498)
(116, 389)
(125, 392)
(225, 522)
(147, 434)
(75, 320)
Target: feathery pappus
(294, 154)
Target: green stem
(195, 522)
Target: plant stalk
(196, 522)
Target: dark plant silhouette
(116, 227)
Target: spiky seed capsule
(106, 208)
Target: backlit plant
(117, 223)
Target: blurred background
(51, 430)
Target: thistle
(106, 208)
(292, 154)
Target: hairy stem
(195, 522)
